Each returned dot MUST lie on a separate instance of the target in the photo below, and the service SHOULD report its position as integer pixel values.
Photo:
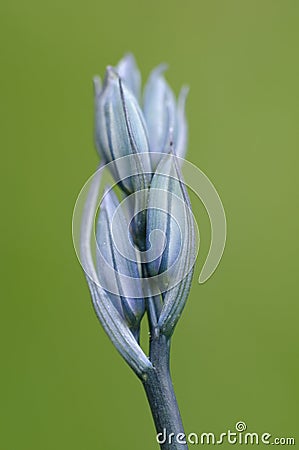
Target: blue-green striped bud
(120, 131)
(181, 131)
(165, 118)
(117, 265)
(159, 110)
(128, 71)
(169, 215)
(169, 223)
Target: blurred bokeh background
(235, 350)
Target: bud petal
(113, 261)
(164, 206)
(97, 84)
(181, 125)
(159, 110)
(128, 71)
(177, 257)
(112, 322)
(120, 131)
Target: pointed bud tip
(111, 74)
(183, 95)
(128, 56)
(160, 69)
(97, 84)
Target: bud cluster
(145, 241)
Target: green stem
(161, 397)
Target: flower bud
(120, 131)
(166, 217)
(117, 267)
(169, 214)
(159, 110)
(128, 71)
(181, 136)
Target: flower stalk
(161, 397)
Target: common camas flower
(145, 242)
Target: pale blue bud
(97, 84)
(120, 131)
(128, 71)
(181, 137)
(113, 262)
(159, 110)
(166, 213)
(169, 213)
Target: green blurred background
(235, 350)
